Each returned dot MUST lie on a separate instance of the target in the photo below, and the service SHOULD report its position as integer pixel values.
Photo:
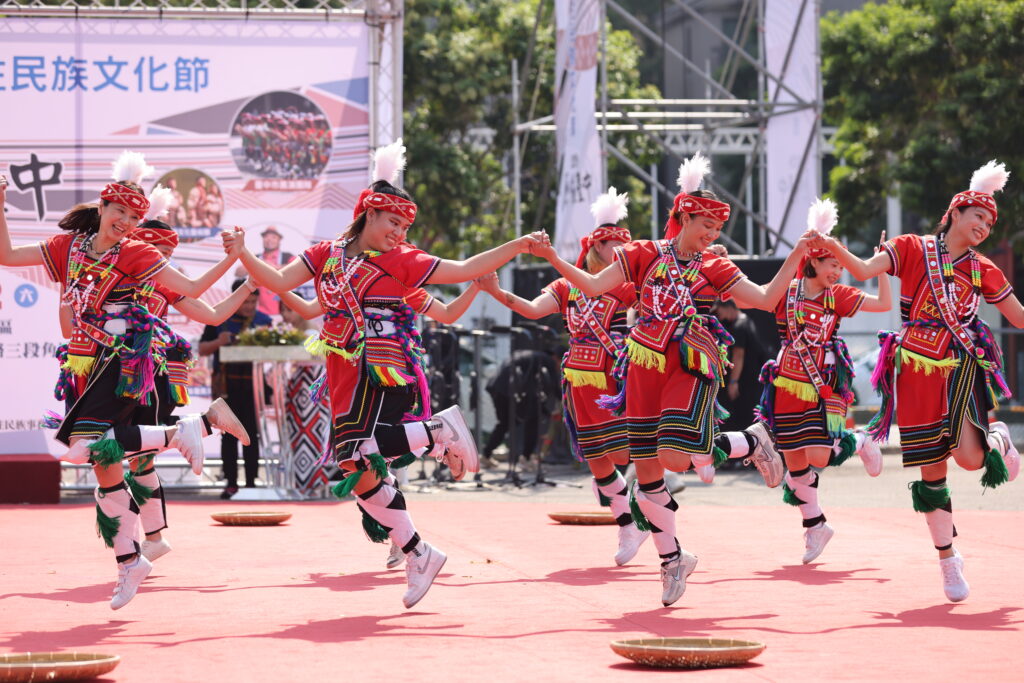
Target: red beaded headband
(699, 206)
(126, 197)
(972, 198)
(156, 236)
(602, 233)
(368, 199)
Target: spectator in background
(747, 354)
(272, 254)
(233, 382)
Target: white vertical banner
(787, 135)
(578, 145)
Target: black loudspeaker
(527, 282)
(761, 271)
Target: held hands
(718, 250)
(3, 189)
(233, 241)
(488, 283)
(541, 246)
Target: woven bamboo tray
(688, 653)
(600, 517)
(251, 518)
(22, 667)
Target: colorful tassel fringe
(106, 452)
(140, 492)
(586, 378)
(995, 470)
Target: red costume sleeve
(419, 299)
(722, 273)
(559, 290)
(55, 255)
(994, 285)
(904, 251)
(848, 300)
(140, 260)
(316, 255)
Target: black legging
(243, 403)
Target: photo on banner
(263, 124)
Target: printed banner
(788, 134)
(259, 124)
(579, 149)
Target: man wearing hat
(273, 255)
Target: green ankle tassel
(107, 527)
(378, 465)
(927, 499)
(789, 496)
(995, 470)
(106, 452)
(719, 457)
(374, 531)
(636, 513)
(140, 492)
(343, 488)
(403, 461)
(847, 447)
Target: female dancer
(597, 329)
(373, 372)
(108, 369)
(674, 361)
(424, 304)
(808, 390)
(942, 372)
(171, 380)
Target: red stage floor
(520, 599)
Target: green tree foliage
(457, 80)
(923, 93)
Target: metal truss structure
(384, 17)
(720, 124)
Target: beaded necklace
(81, 267)
(679, 289)
(948, 278)
(796, 307)
(332, 285)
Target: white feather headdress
(990, 178)
(159, 201)
(132, 166)
(692, 172)
(822, 216)
(610, 208)
(388, 162)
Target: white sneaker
(706, 473)
(420, 571)
(188, 439)
(154, 550)
(461, 455)
(129, 576)
(221, 417)
(396, 557)
(630, 540)
(1010, 454)
(815, 540)
(870, 454)
(765, 458)
(673, 577)
(953, 581)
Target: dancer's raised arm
(449, 272)
(860, 269)
(202, 312)
(175, 280)
(23, 255)
(591, 285)
(766, 297)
